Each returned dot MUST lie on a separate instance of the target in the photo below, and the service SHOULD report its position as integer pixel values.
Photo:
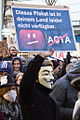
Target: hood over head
(20, 62)
(23, 59)
(74, 72)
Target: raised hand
(46, 53)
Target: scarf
(10, 111)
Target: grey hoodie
(64, 94)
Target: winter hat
(6, 66)
(55, 63)
(6, 81)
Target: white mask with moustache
(46, 77)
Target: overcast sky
(74, 6)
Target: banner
(4, 51)
(41, 28)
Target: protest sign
(4, 51)
(41, 28)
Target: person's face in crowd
(12, 88)
(11, 94)
(13, 51)
(19, 79)
(23, 62)
(3, 74)
(46, 76)
(3, 80)
(16, 65)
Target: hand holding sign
(47, 53)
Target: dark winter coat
(34, 99)
(64, 94)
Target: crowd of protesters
(40, 88)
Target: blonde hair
(19, 74)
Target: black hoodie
(34, 98)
